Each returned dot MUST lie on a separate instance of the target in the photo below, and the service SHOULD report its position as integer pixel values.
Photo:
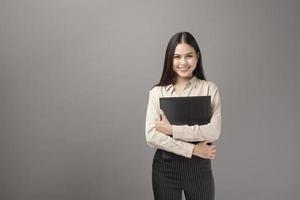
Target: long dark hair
(168, 74)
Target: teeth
(184, 69)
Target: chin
(184, 75)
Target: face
(184, 61)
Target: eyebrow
(185, 54)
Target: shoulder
(203, 83)
(210, 84)
(155, 91)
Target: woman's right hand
(205, 150)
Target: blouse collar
(192, 81)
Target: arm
(210, 131)
(160, 140)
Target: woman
(180, 163)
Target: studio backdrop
(74, 83)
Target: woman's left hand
(163, 125)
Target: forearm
(167, 143)
(195, 133)
(210, 131)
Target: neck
(182, 81)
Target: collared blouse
(183, 134)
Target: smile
(184, 69)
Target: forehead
(184, 48)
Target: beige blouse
(183, 134)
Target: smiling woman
(184, 63)
(188, 168)
(185, 60)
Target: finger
(208, 142)
(157, 124)
(212, 150)
(162, 114)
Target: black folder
(190, 110)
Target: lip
(184, 69)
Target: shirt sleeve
(159, 140)
(210, 131)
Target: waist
(171, 156)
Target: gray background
(74, 82)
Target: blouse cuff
(188, 149)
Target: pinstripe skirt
(173, 175)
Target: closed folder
(192, 110)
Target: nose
(182, 60)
